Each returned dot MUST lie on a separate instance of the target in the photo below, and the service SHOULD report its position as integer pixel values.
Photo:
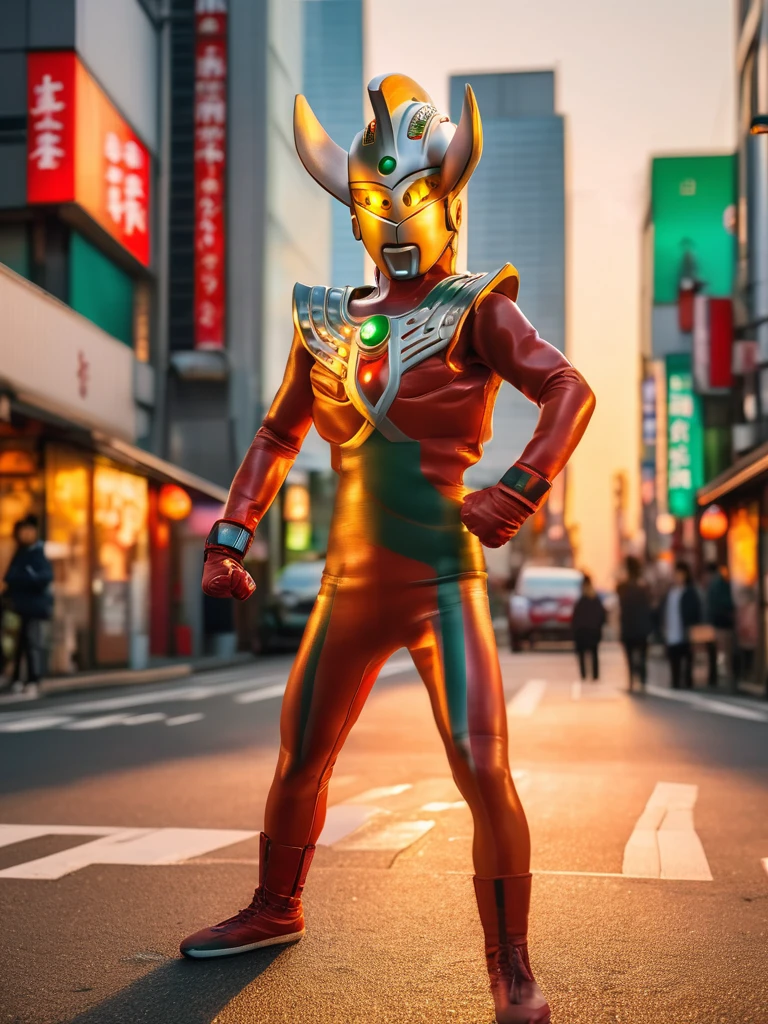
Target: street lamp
(759, 125)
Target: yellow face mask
(402, 176)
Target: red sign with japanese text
(81, 150)
(51, 132)
(210, 170)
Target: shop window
(68, 502)
(121, 574)
(100, 290)
(743, 565)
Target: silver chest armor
(332, 335)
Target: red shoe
(503, 904)
(275, 914)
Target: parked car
(541, 604)
(285, 614)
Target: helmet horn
(325, 161)
(465, 148)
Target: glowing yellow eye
(374, 200)
(421, 190)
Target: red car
(541, 604)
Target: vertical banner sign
(210, 170)
(685, 437)
(51, 132)
(701, 344)
(649, 412)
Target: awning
(115, 448)
(744, 470)
(158, 469)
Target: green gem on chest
(374, 331)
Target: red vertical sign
(210, 170)
(51, 132)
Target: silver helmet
(403, 175)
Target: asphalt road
(129, 817)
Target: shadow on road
(182, 991)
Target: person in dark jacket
(588, 622)
(636, 621)
(680, 610)
(27, 589)
(720, 613)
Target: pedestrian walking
(588, 622)
(681, 610)
(720, 612)
(636, 618)
(27, 589)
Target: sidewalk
(161, 672)
(723, 699)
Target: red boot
(503, 904)
(275, 914)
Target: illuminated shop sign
(210, 170)
(685, 437)
(80, 150)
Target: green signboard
(693, 210)
(685, 437)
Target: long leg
(455, 654)
(335, 668)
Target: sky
(632, 81)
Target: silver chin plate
(402, 260)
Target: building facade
(741, 489)
(333, 84)
(153, 220)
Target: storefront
(742, 492)
(116, 523)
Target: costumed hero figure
(400, 378)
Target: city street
(130, 817)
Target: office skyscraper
(333, 84)
(516, 214)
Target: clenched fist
(225, 576)
(494, 514)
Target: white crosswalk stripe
(145, 846)
(664, 843)
(716, 706)
(185, 719)
(527, 699)
(35, 724)
(101, 722)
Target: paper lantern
(713, 523)
(174, 502)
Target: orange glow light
(174, 502)
(367, 376)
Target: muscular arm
(507, 343)
(276, 444)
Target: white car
(541, 604)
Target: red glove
(495, 514)
(225, 576)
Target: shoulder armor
(476, 288)
(320, 317)
(329, 333)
